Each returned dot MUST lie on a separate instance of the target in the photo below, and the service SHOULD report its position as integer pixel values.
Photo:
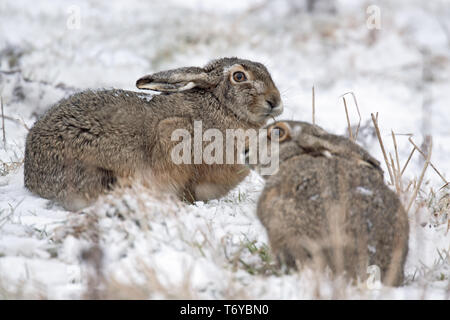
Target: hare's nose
(271, 104)
(273, 99)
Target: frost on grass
(135, 243)
(138, 244)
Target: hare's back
(316, 185)
(369, 197)
(93, 114)
(295, 196)
(100, 105)
(326, 188)
(105, 125)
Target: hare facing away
(328, 204)
(92, 141)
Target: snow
(164, 249)
(364, 191)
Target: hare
(93, 141)
(328, 204)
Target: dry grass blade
(380, 140)
(350, 134)
(313, 106)
(396, 173)
(396, 169)
(431, 164)
(396, 150)
(444, 186)
(409, 186)
(357, 110)
(22, 122)
(407, 161)
(19, 121)
(3, 122)
(424, 170)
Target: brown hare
(92, 141)
(328, 204)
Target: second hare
(328, 205)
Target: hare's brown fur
(90, 142)
(328, 204)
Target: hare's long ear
(176, 80)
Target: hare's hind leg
(69, 183)
(83, 185)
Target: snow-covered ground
(143, 245)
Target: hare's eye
(278, 133)
(239, 76)
(275, 133)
